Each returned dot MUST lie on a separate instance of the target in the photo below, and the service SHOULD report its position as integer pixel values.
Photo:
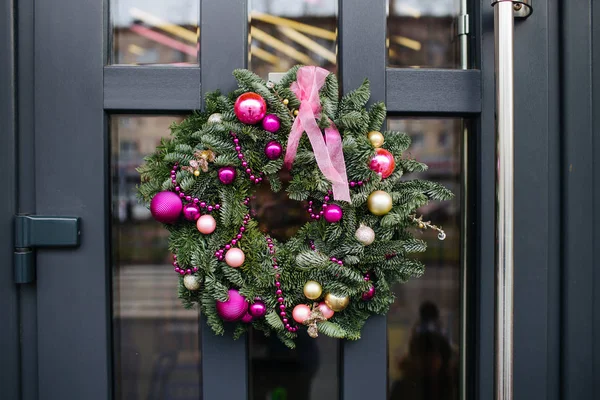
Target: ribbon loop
(328, 152)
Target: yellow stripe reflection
(264, 55)
(308, 43)
(299, 26)
(164, 25)
(135, 49)
(406, 42)
(286, 49)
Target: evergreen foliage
(387, 259)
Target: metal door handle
(504, 13)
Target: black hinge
(36, 231)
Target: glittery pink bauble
(227, 175)
(206, 224)
(273, 150)
(235, 257)
(271, 123)
(191, 212)
(333, 213)
(326, 311)
(258, 309)
(234, 308)
(166, 207)
(368, 295)
(247, 318)
(301, 313)
(383, 162)
(250, 108)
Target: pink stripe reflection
(164, 39)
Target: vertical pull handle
(504, 13)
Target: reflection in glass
(286, 33)
(155, 341)
(424, 321)
(422, 33)
(154, 32)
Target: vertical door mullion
(223, 36)
(363, 54)
(71, 179)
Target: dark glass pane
(155, 341)
(422, 33)
(157, 32)
(424, 321)
(285, 33)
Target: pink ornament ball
(325, 310)
(273, 150)
(271, 123)
(166, 207)
(234, 308)
(206, 224)
(368, 295)
(227, 175)
(247, 318)
(301, 313)
(333, 213)
(258, 309)
(191, 212)
(250, 108)
(235, 257)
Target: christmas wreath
(338, 268)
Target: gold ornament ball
(296, 112)
(336, 303)
(191, 282)
(376, 138)
(286, 101)
(196, 173)
(379, 202)
(312, 290)
(365, 235)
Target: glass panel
(422, 33)
(424, 321)
(286, 33)
(154, 32)
(155, 340)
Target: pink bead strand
(220, 254)
(180, 270)
(254, 178)
(278, 291)
(202, 204)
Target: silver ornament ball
(191, 282)
(215, 118)
(365, 235)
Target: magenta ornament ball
(247, 318)
(250, 108)
(166, 207)
(227, 175)
(333, 213)
(258, 309)
(191, 212)
(234, 308)
(271, 123)
(273, 150)
(368, 295)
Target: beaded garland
(216, 159)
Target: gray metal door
(60, 94)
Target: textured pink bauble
(206, 224)
(383, 162)
(191, 212)
(258, 309)
(271, 123)
(227, 175)
(235, 257)
(325, 310)
(247, 318)
(234, 308)
(301, 313)
(368, 295)
(333, 213)
(250, 108)
(273, 150)
(166, 207)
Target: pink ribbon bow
(328, 151)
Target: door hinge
(462, 25)
(36, 231)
